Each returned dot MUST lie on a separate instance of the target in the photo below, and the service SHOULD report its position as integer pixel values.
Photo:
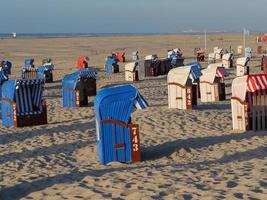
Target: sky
(130, 16)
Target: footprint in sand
(231, 184)
(239, 195)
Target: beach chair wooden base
(28, 120)
(79, 97)
(124, 145)
(33, 74)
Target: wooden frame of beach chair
(27, 120)
(30, 73)
(134, 138)
(131, 72)
(242, 67)
(249, 110)
(212, 92)
(181, 96)
(212, 86)
(227, 60)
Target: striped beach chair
(78, 86)
(22, 103)
(117, 138)
(111, 65)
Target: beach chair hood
(242, 61)
(193, 64)
(181, 74)
(118, 103)
(249, 83)
(210, 73)
(81, 60)
(131, 66)
(71, 80)
(28, 62)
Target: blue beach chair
(117, 138)
(78, 86)
(22, 103)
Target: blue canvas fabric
(42, 69)
(195, 73)
(116, 103)
(71, 80)
(28, 62)
(195, 64)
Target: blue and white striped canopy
(71, 80)
(140, 102)
(26, 93)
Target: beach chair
(118, 138)
(111, 65)
(197, 67)
(6, 67)
(218, 53)
(211, 58)
(248, 52)
(249, 102)
(242, 67)
(132, 71)
(151, 65)
(259, 50)
(227, 60)
(239, 49)
(29, 71)
(264, 64)
(78, 86)
(176, 58)
(82, 62)
(182, 91)
(212, 86)
(45, 70)
(121, 56)
(135, 56)
(22, 103)
(200, 54)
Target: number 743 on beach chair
(22, 103)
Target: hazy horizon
(140, 16)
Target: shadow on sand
(150, 153)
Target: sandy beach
(187, 154)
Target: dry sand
(187, 154)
